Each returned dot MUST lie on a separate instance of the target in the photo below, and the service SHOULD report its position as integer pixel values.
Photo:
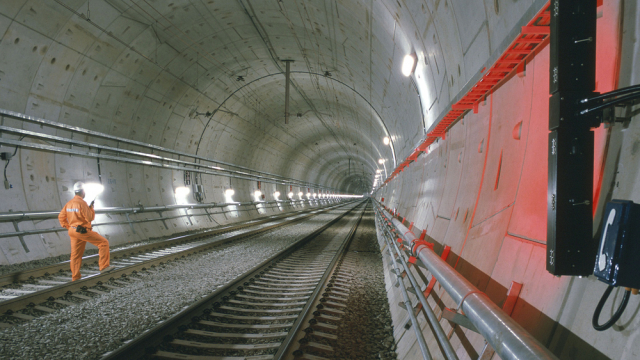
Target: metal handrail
(508, 338)
(442, 338)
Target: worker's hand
(91, 205)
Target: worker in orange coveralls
(76, 216)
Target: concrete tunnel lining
(144, 79)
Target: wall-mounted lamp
(408, 64)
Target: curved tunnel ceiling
(206, 77)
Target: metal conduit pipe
(510, 340)
(53, 214)
(409, 307)
(222, 171)
(98, 155)
(54, 124)
(431, 316)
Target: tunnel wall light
(380, 161)
(290, 195)
(229, 192)
(408, 64)
(276, 194)
(92, 190)
(182, 191)
(385, 140)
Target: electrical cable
(616, 315)
(613, 93)
(14, 154)
(612, 103)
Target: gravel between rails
(89, 329)
(366, 331)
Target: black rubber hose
(613, 93)
(616, 315)
(612, 103)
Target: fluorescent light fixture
(308, 195)
(276, 194)
(380, 161)
(257, 194)
(229, 192)
(290, 195)
(300, 194)
(182, 191)
(378, 171)
(314, 194)
(408, 64)
(385, 140)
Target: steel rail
(60, 290)
(139, 346)
(284, 349)
(176, 240)
(508, 338)
(54, 124)
(442, 338)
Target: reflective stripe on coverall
(77, 212)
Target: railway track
(288, 306)
(28, 294)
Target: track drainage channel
(258, 315)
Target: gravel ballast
(366, 330)
(102, 324)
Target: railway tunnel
(316, 179)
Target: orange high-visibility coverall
(77, 212)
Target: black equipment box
(618, 257)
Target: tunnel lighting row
(183, 191)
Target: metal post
(287, 84)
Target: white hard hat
(78, 186)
